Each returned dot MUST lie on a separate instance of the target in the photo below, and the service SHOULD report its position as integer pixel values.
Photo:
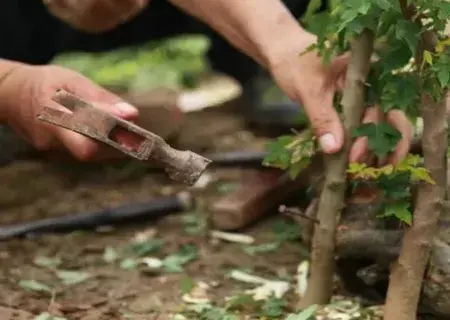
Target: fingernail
(328, 142)
(125, 107)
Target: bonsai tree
(399, 59)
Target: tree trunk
(331, 201)
(407, 273)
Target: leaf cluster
(291, 152)
(394, 184)
(396, 81)
(174, 62)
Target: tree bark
(366, 246)
(331, 201)
(407, 273)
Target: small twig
(295, 214)
(296, 132)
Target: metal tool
(85, 119)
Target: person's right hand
(95, 16)
(27, 89)
(304, 78)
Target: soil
(36, 188)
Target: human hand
(305, 79)
(95, 15)
(27, 89)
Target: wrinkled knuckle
(321, 122)
(41, 144)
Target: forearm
(261, 29)
(6, 69)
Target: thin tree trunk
(320, 284)
(407, 273)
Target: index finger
(85, 148)
(399, 120)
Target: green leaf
(186, 285)
(242, 302)
(385, 4)
(427, 57)
(312, 8)
(444, 9)
(273, 308)
(359, 6)
(317, 25)
(400, 211)
(201, 307)
(421, 174)
(409, 32)
(382, 137)
(146, 247)
(443, 76)
(297, 167)
(395, 187)
(174, 263)
(412, 160)
(305, 314)
(72, 277)
(388, 20)
(285, 231)
(194, 223)
(401, 91)
(34, 285)
(129, 264)
(278, 156)
(346, 18)
(396, 193)
(356, 167)
(396, 57)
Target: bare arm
(260, 29)
(6, 68)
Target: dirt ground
(86, 275)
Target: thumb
(325, 121)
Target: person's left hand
(95, 16)
(27, 89)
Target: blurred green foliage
(173, 62)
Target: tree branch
(331, 201)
